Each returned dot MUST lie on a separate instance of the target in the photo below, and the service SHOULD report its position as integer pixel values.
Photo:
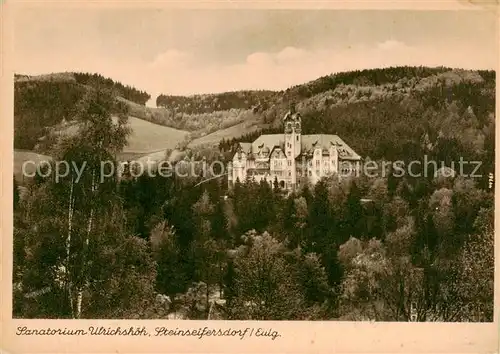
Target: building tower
(292, 126)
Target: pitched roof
(245, 147)
(269, 140)
(324, 141)
(292, 116)
(309, 144)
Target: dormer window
(343, 152)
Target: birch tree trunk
(79, 296)
(68, 246)
(208, 298)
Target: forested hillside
(197, 104)
(410, 103)
(43, 102)
(128, 92)
(40, 105)
(382, 113)
(436, 112)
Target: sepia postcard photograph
(251, 173)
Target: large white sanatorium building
(290, 158)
